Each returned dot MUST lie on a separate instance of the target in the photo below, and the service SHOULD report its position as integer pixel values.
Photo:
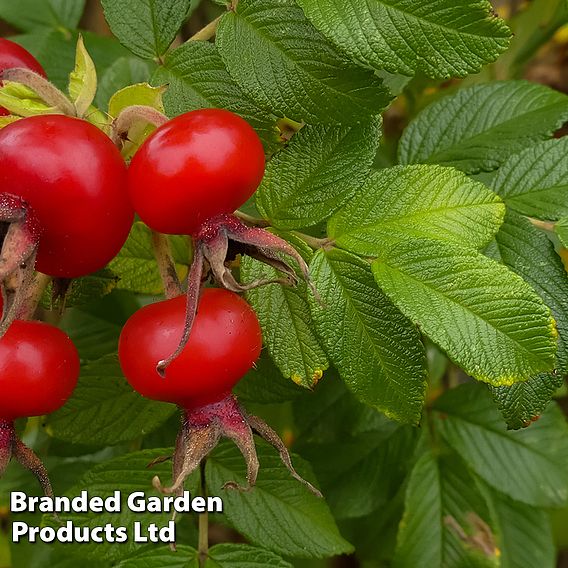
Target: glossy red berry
(224, 344)
(14, 55)
(39, 367)
(74, 180)
(197, 166)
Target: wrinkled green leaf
(306, 527)
(287, 326)
(362, 473)
(317, 173)
(291, 69)
(96, 326)
(417, 201)
(444, 510)
(535, 181)
(265, 384)
(231, 555)
(136, 265)
(561, 230)
(27, 15)
(197, 78)
(518, 463)
(443, 38)
(479, 127)
(183, 557)
(55, 50)
(529, 252)
(146, 27)
(487, 319)
(377, 351)
(104, 409)
(127, 474)
(82, 290)
(518, 524)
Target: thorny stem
(203, 545)
(207, 32)
(166, 265)
(48, 92)
(132, 114)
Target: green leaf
(561, 230)
(104, 409)
(55, 50)
(82, 290)
(533, 182)
(331, 412)
(417, 201)
(264, 384)
(306, 527)
(376, 350)
(127, 474)
(317, 173)
(82, 80)
(182, 557)
(443, 38)
(23, 101)
(529, 252)
(95, 327)
(231, 555)
(287, 326)
(136, 265)
(489, 321)
(139, 94)
(518, 524)
(146, 27)
(479, 127)
(197, 78)
(291, 69)
(228, 555)
(123, 72)
(362, 473)
(521, 404)
(446, 520)
(527, 465)
(27, 15)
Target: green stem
(203, 545)
(5, 552)
(544, 225)
(208, 32)
(314, 242)
(250, 220)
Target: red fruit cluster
(68, 201)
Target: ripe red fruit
(39, 367)
(74, 180)
(199, 165)
(14, 55)
(225, 342)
